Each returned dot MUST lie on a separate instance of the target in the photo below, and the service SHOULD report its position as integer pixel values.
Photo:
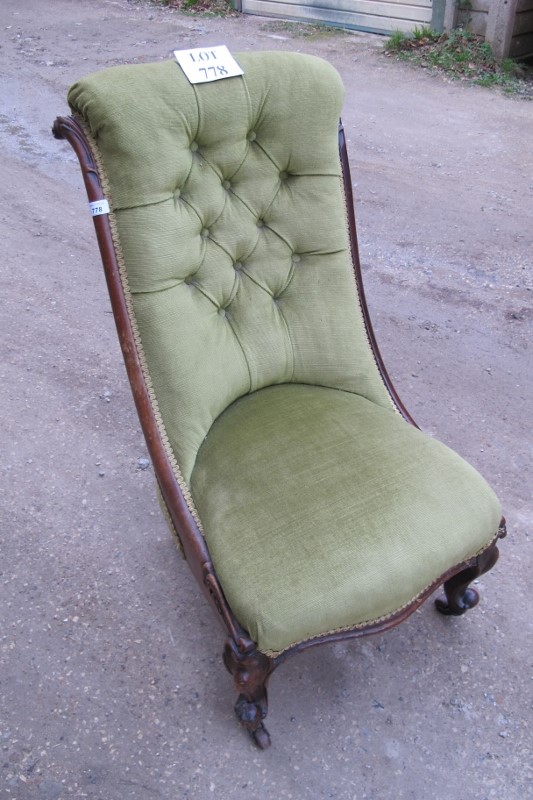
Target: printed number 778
(213, 71)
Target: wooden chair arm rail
(193, 542)
(347, 182)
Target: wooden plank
(523, 23)
(379, 9)
(522, 46)
(426, 3)
(357, 21)
(524, 5)
(480, 5)
(423, 3)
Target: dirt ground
(111, 681)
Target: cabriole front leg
(251, 671)
(460, 596)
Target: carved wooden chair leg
(251, 671)
(460, 596)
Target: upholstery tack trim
(378, 620)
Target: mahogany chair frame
(250, 668)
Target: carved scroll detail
(251, 670)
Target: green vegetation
(293, 29)
(461, 55)
(221, 8)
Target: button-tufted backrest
(229, 206)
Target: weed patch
(302, 29)
(220, 8)
(461, 55)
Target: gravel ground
(111, 681)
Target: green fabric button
(226, 185)
(205, 233)
(296, 258)
(194, 146)
(252, 136)
(283, 176)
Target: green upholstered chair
(307, 502)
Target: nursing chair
(304, 498)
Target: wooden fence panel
(380, 16)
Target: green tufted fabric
(324, 510)
(231, 217)
(321, 507)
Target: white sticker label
(99, 207)
(212, 64)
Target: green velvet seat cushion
(323, 510)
